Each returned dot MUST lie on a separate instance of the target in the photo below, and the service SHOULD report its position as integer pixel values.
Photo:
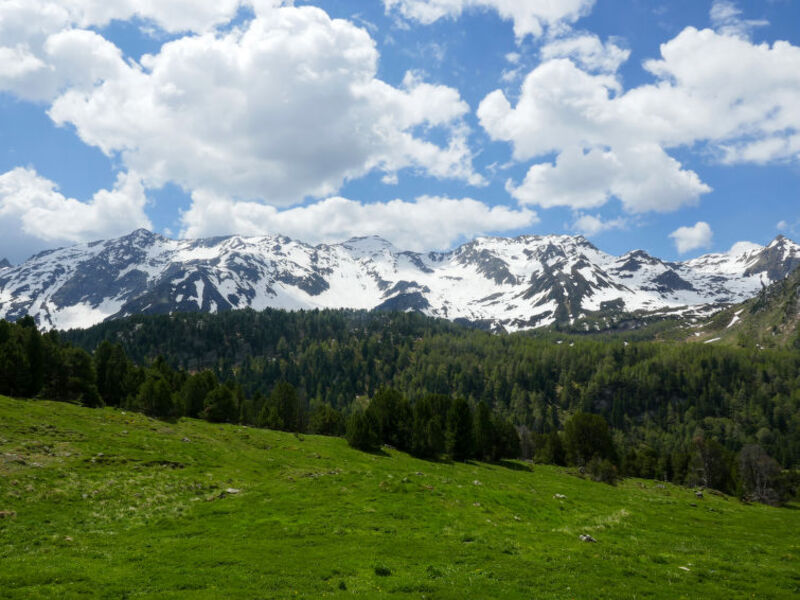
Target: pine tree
(362, 432)
(459, 442)
(484, 433)
(220, 405)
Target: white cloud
(643, 177)
(530, 17)
(592, 225)
(33, 213)
(726, 17)
(782, 226)
(425, 224)
(284, 108)
(46, 46)
(587, 51)
(691, 238)
(715, 93)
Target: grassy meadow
(100, 503)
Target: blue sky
(424, 121)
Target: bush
(602, 470)
(362, 432)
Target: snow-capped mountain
(519, 283)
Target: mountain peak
(141, 235)
(779, 240)
(368, 244)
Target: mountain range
(500, 283)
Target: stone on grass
(559, 496)
(585, 537)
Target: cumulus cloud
(530, 17)
(643, 177)
(720, 94)
(594, 224)
(426, 223)
(692, 238)
(46, 45)
(587, 51)
(286, 107)
(33, 213)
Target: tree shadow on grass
(514, 465)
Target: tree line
(683, 413)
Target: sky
(673, 127)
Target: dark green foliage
(362, 432)
(711, 466)
(73, 379)
(506, 439)
(603, 470)
(194, 392)
(587, 436)
(112, 368)
(283, 409)
(484, 437)
(220, 405)
(428, 428)
(326, 420)
(760, 475)
(551, 449)
(155, 397)
(392, 415)
(459, 442)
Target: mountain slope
(109, 503)
(519, 283)
(770, 319)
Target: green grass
(149, 518)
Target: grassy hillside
(771, 319)
(103, 503)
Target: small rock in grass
(559, 496)
(186, 440)
(476, 504)
(232, 491)
(476, 482)
(585, 537)
(699, 494)
(68, 539)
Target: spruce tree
(459, 441)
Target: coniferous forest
(725, 418)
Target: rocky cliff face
(510, 283)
